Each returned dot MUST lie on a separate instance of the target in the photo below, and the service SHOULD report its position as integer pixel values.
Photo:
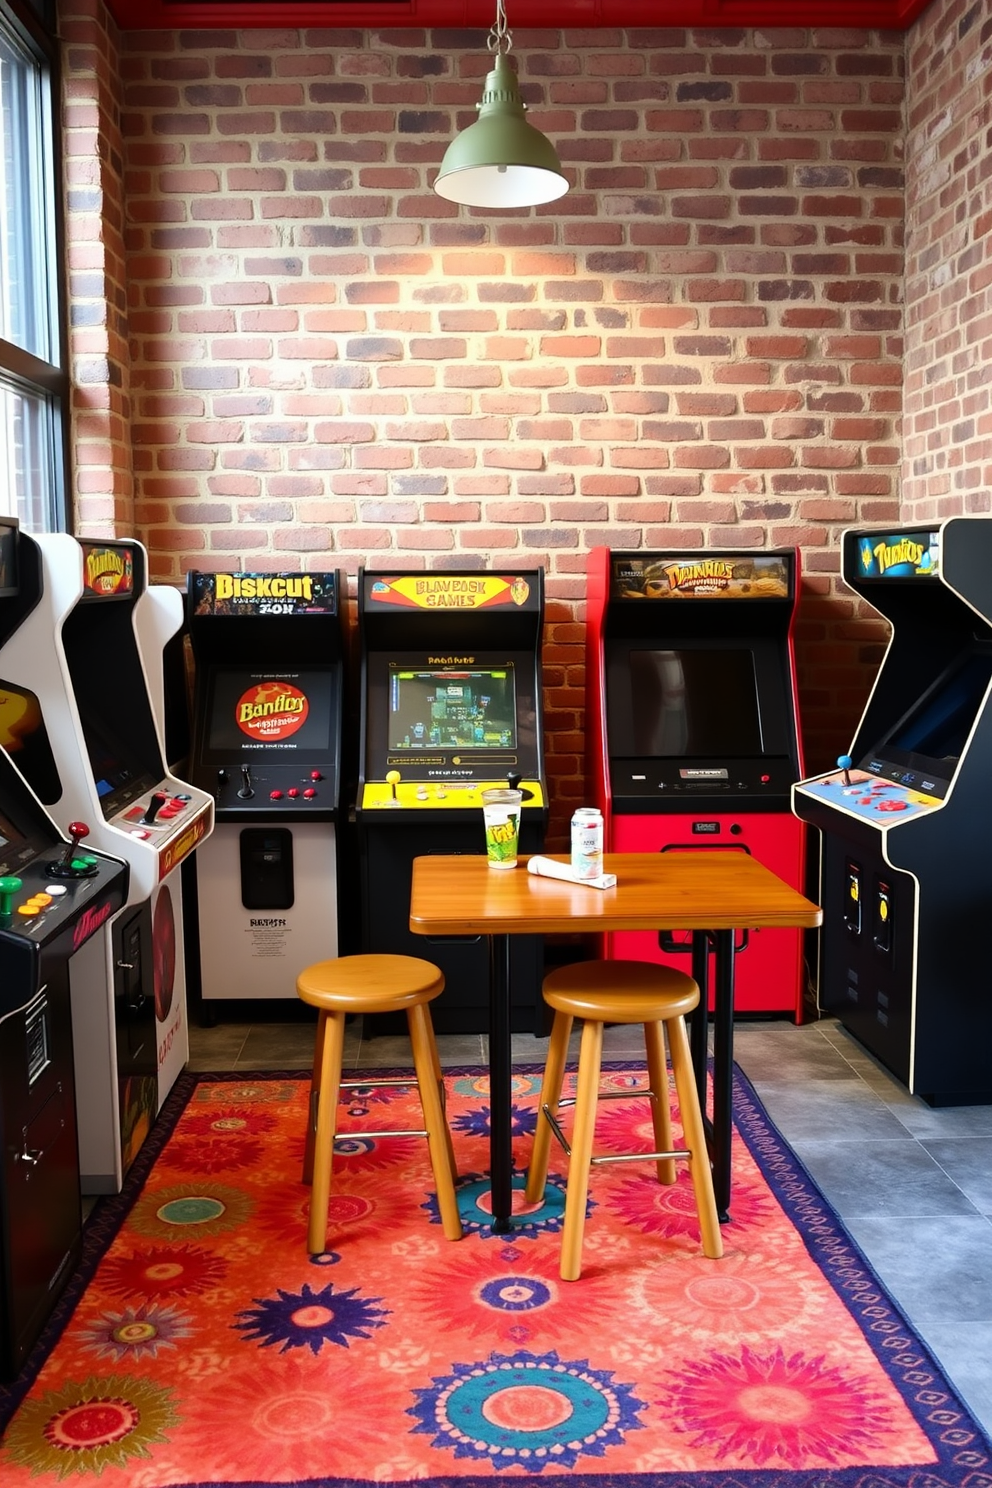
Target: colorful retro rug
(202, 1345)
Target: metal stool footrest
(612, 1157)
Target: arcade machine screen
(684, 703)
(930, 738)
(446, 709)
(270, 715)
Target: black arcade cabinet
(54, 897)
(906, 818)
(450, 705)
(693, 732)
(267, 722)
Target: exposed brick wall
(699, 345)
(948, 428)
(94, 195)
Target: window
(34, 384)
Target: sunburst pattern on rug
(208, 1347)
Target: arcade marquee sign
(439, 591)
(713, 576)
(246, 594)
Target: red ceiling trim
(565, 15)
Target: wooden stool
(373, 984)
(620, 992)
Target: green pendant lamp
(501, 160)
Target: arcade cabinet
(450, 704)
(74, 648)
(54, 902)
(267, 720)
(906, 818)
(693, 732)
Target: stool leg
(554, 1074)
(439, 1083)
(695, 1138)
(586, 1101)
(318, 1055)
(327, 1107)
(661, 1113)
(421, 1040)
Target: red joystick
(64, 867)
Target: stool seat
(370, 984)
(599, 992)
(620, 991)
(373, 984)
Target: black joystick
(68, 865)
(247, 790)
(155, 803)
(513, 780)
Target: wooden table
(712, 893)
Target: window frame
(33, 26)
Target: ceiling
(377, 15)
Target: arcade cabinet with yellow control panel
(905, 820)
(450, 705)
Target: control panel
(860, 794)
(394, 792)
(666, 784)
(46, 892)
(269, 789)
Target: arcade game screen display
(684, 703)
(452, 709)
(270, 713)
(936, 729)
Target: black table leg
(700, 1020)
(723, 1070)
(500, 1087)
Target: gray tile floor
(913, 1186)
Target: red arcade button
(293, 791)
(275, 795)
(309, 793)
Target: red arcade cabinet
(906, 818)
(693, 732)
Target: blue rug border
(965, 1462)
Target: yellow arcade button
(42, 900)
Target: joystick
(68, 865)
(844, 762)
(155, 803)
(247, 789)
(393, 780)
(513, 780)
(8, 888)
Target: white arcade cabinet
(84, 653)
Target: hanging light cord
(500, 38)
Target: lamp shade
(501, 160)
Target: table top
(712, 890)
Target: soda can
(587, 842)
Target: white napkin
(548, 868)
